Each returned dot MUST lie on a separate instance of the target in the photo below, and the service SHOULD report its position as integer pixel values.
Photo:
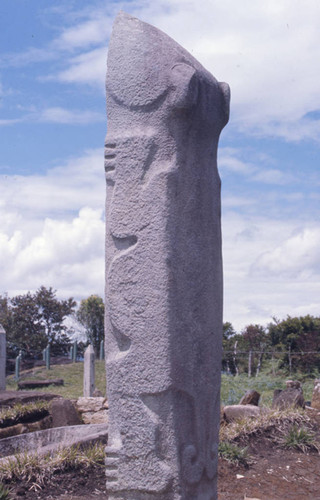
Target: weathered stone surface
(163, 267)
(88, 372)
(99, 417)
(2, 358)
(35, 384)
(315, 403)
(63, 413)
(250, 398)
(288, 398)
(90, 404)
(239, 412)
(293, 384)
(42, 442)
(10, 398)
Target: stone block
(90, 404)
(288, 398)
(240, 412)
(63, 413)
(250, 398)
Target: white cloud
(228, 160)
(10, 121)
(91, 32)
(268, 52)
(271, 176)
(66, 116)
(296, 257)
(271, 268)
(52, 229)
(57, 115)
(64, 189)
(86, 68)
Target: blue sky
(53, 123)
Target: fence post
(48, 357)
(88, 372)
(17, 368)
(2, 359)
(75, 351)
(44, 354)
(71, 353)
(101, 354)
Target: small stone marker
(89, 372)
(291, 397)
(2, 359)
(250, 398)
(316, 395)
(163, 267)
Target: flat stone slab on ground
(10, 398)
(42, 442)
(32, 384)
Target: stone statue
(163, 267)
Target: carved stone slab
(163, 267)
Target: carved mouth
(109, 162)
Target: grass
(233, 453)
(233, 388)
(4, 493)
(23, 412)
(300, 438)
(71, 373)
(37, 469)
(280, 427)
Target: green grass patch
(233, 388)
(300, 438)
(4, 493)
(38, 469)
(233, 453)
(71, 373)
(23, 413)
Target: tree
(53, 312)
(91, 316)
(34, 320)
(295, 336)
(256, 339)
(229, 344)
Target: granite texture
(163, 267)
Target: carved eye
(185, 83)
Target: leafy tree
(91, 316)
(256, 340)
(32, 321)
(53, 312)
(294, 336)
(230, 341)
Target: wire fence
(72, 352)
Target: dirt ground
(273, 474)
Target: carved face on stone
(143, 83)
